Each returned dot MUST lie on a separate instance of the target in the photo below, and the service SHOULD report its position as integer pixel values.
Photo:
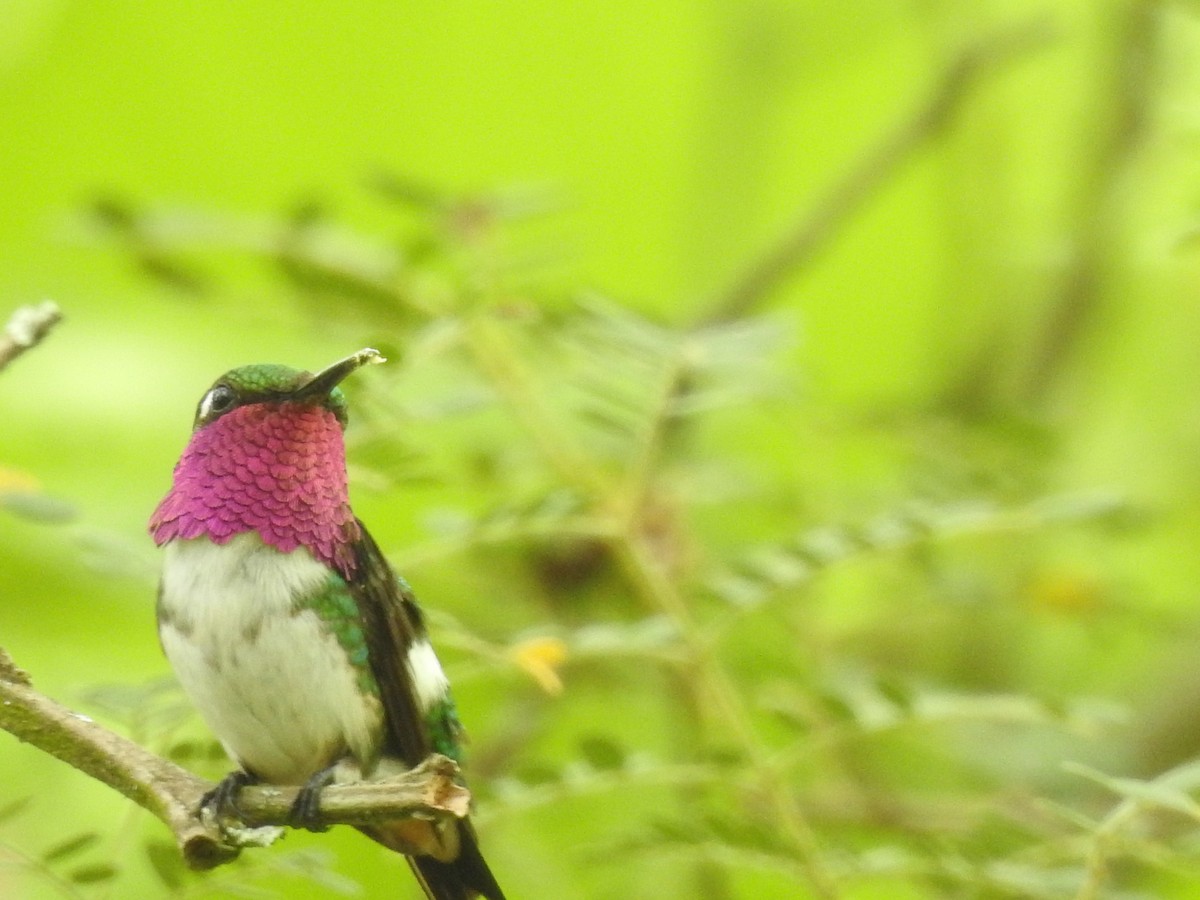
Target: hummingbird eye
(219, 400)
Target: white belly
(273, 685)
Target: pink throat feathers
(278, 469)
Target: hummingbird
(285, 625)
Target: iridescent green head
(268, 383)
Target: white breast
(271, 683)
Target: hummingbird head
(274, 384)
(267, 455)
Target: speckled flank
(445, 730)
(336, 607)
(278, 469)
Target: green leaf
(896, 692)
(92, 874)
(70, 847)
(14, 808)
(602, 753)
(1158, 792)
(534, 774)
(838, 707)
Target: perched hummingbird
(286, 626)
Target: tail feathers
(465, 877)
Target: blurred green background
(890, 526)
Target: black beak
(328, 378)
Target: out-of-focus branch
(1133, 86)
(816, 227)
(26, 328)
(172, 794)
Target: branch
(428, 792)
(1135, 85)
(26, 328)
(815, 227)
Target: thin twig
(428, 792)
(26, 328)
(816, 227)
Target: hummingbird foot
(306, 810)
(221, 801)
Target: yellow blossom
(541, 658)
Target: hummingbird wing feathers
(419, 719)
(395, 634)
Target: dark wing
(393, 623)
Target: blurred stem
(632, 497)
(1112, 144)
(1171, 790)
(710, 881)
(494, 353)
(815, 228)
(660, 593)
(709, 877)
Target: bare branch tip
(27, 327)
(201, 851)
(11, 672)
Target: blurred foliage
(796, 452)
